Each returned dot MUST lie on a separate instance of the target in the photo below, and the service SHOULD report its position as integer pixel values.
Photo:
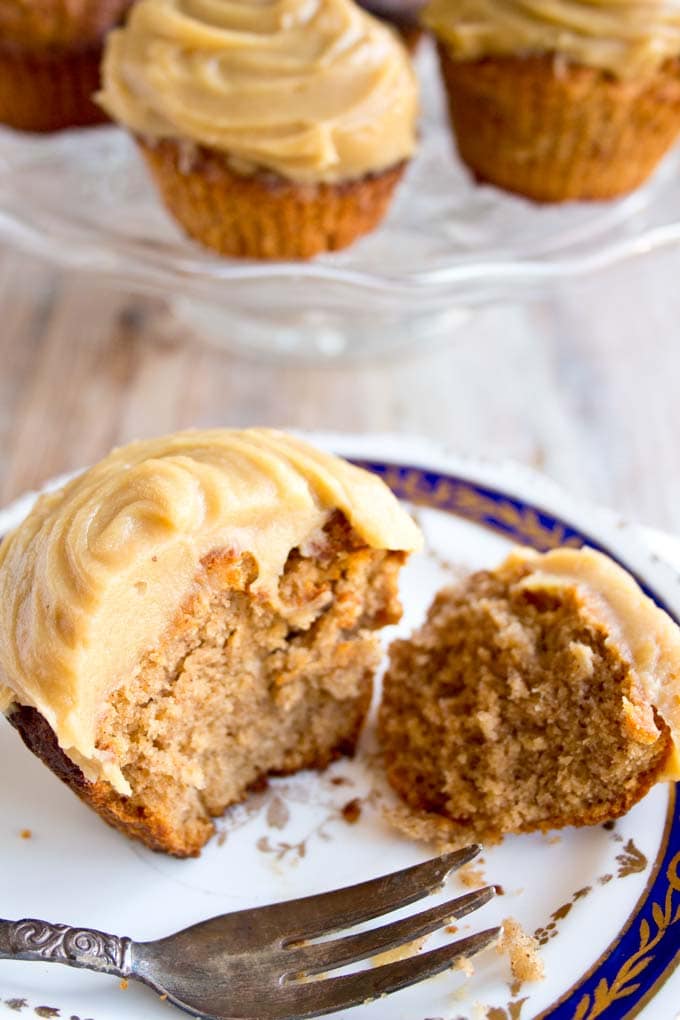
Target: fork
(259, 964)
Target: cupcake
(276, 129)
(193, 614)
(50, 52)
(565, 99)
(541, 694)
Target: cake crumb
(123, 985)
(163, 997)
(423, 826)
(522, 950)
(403, 952)
(26, 833)
(351, 811)
(472, 878)
(451, 929)
(467, 966)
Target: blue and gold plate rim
(645, 952)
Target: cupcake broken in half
(541, 694)
(193, 614)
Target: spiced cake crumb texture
(516, 707)
(232, 693)
(522, 951)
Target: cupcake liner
(49, 92)
(263, 216)
(555, 132)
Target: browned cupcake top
(625, 37)
(313, 90)
(29, 25)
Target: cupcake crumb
(351, 811)
(26, 834)
(123, 985)
(472, 878)
(467, 966)
(522, 950)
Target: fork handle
(30, 939)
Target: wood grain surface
(584, 384)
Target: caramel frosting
(313, 90)
(644, 635)
(94, 575)
(628, 38)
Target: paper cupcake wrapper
(49, 92)
(263, 216)
(553, 131)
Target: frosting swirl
(95, 573)
(314, 90)
(628, 38)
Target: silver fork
(259, 965)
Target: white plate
(606, 902)
(84, 199)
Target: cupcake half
(276, 129)
(570, 99)
(541, 694)
(50, 54)
(193, 614)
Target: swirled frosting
(644, 635)
(313, 90)
(95, 573)
(625, 37)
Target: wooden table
(585, 386)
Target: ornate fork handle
(30, 939)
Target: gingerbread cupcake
(50, 52)
(541, 694)
(195, 613)
(276, 129)
(561, 99)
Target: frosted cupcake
(50, 52)
(561, 99)
(193, 614)
(541, 694)
(276, 129)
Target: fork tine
(328, 955)
(317, 997)
(322, 914)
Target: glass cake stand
(448, 245)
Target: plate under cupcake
(603, 901)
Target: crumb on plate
(522, 950)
